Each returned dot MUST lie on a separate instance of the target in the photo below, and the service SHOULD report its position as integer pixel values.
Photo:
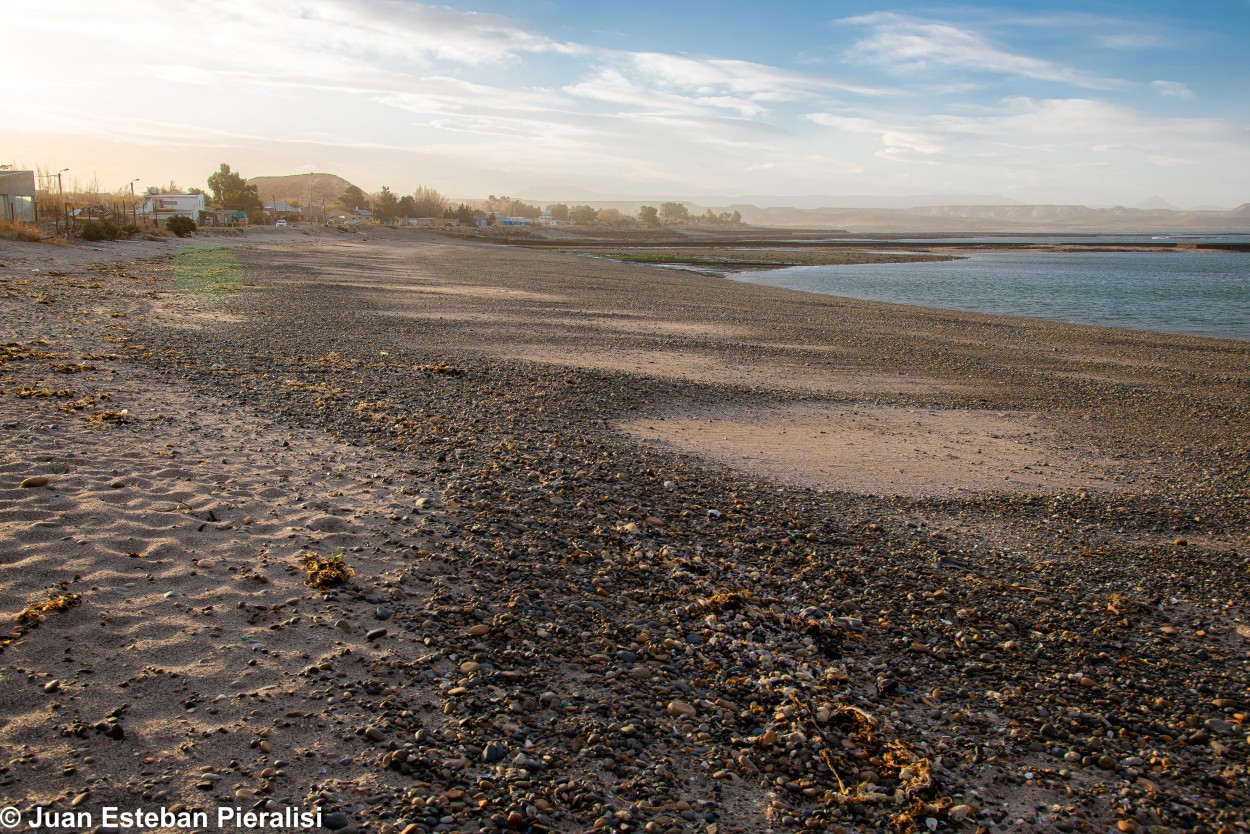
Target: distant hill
(1009, 218)
(862, 201)
(300, 189)
(1155, 203)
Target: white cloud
(898, 141)
(740, 77)
(611, 86)
(907, 44)
(1174, 89)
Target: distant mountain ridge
(576, 194)
(1007, 218)
(300, 189)
(916, 213)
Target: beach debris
(33, 615)
(326, 571)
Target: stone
(327, 524)
(681, 709)
(376, 634)
(35, 481)
(335, 820)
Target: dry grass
(15, 230)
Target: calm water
(1205, 293)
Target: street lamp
(61, 190)
(134, 208)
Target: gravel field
(1015, 599)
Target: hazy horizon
(1134, 104)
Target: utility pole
(64, 208)
(134, 208)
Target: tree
(583, 214)
(428, 203)
(508, 207)
(464, 214)
(559, 211)
(387, 205)
(674, 211)
(610, 215)
(408, 206)
(648, 215)
(353, 198)
(231, 191)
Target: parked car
(281, 224)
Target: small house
(282, 211)
(17, 196)
(164, 206)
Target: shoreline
(580, 626)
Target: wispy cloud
(906, 44)
(611, 86)
(900, 143)
(1174, 89)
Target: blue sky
(1090, 103)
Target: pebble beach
(426, 533)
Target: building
(223, 217)
(282, 211)
(164, 206)
(17, 196)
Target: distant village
(40, 199)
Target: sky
(1090, 103)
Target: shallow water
(1199, 292)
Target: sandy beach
(626, 549)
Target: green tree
(559, 211)
(649, 215)
(231, 191)
(674, 211)
(408, 206)
(387, 205)
(583, 214)
(463, 213)
(353, 198)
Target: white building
(165, 206)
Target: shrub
(99, 230)
(16, 230)
(180, 225)
(130, 230)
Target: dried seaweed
(32, 615)
(326, 572)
